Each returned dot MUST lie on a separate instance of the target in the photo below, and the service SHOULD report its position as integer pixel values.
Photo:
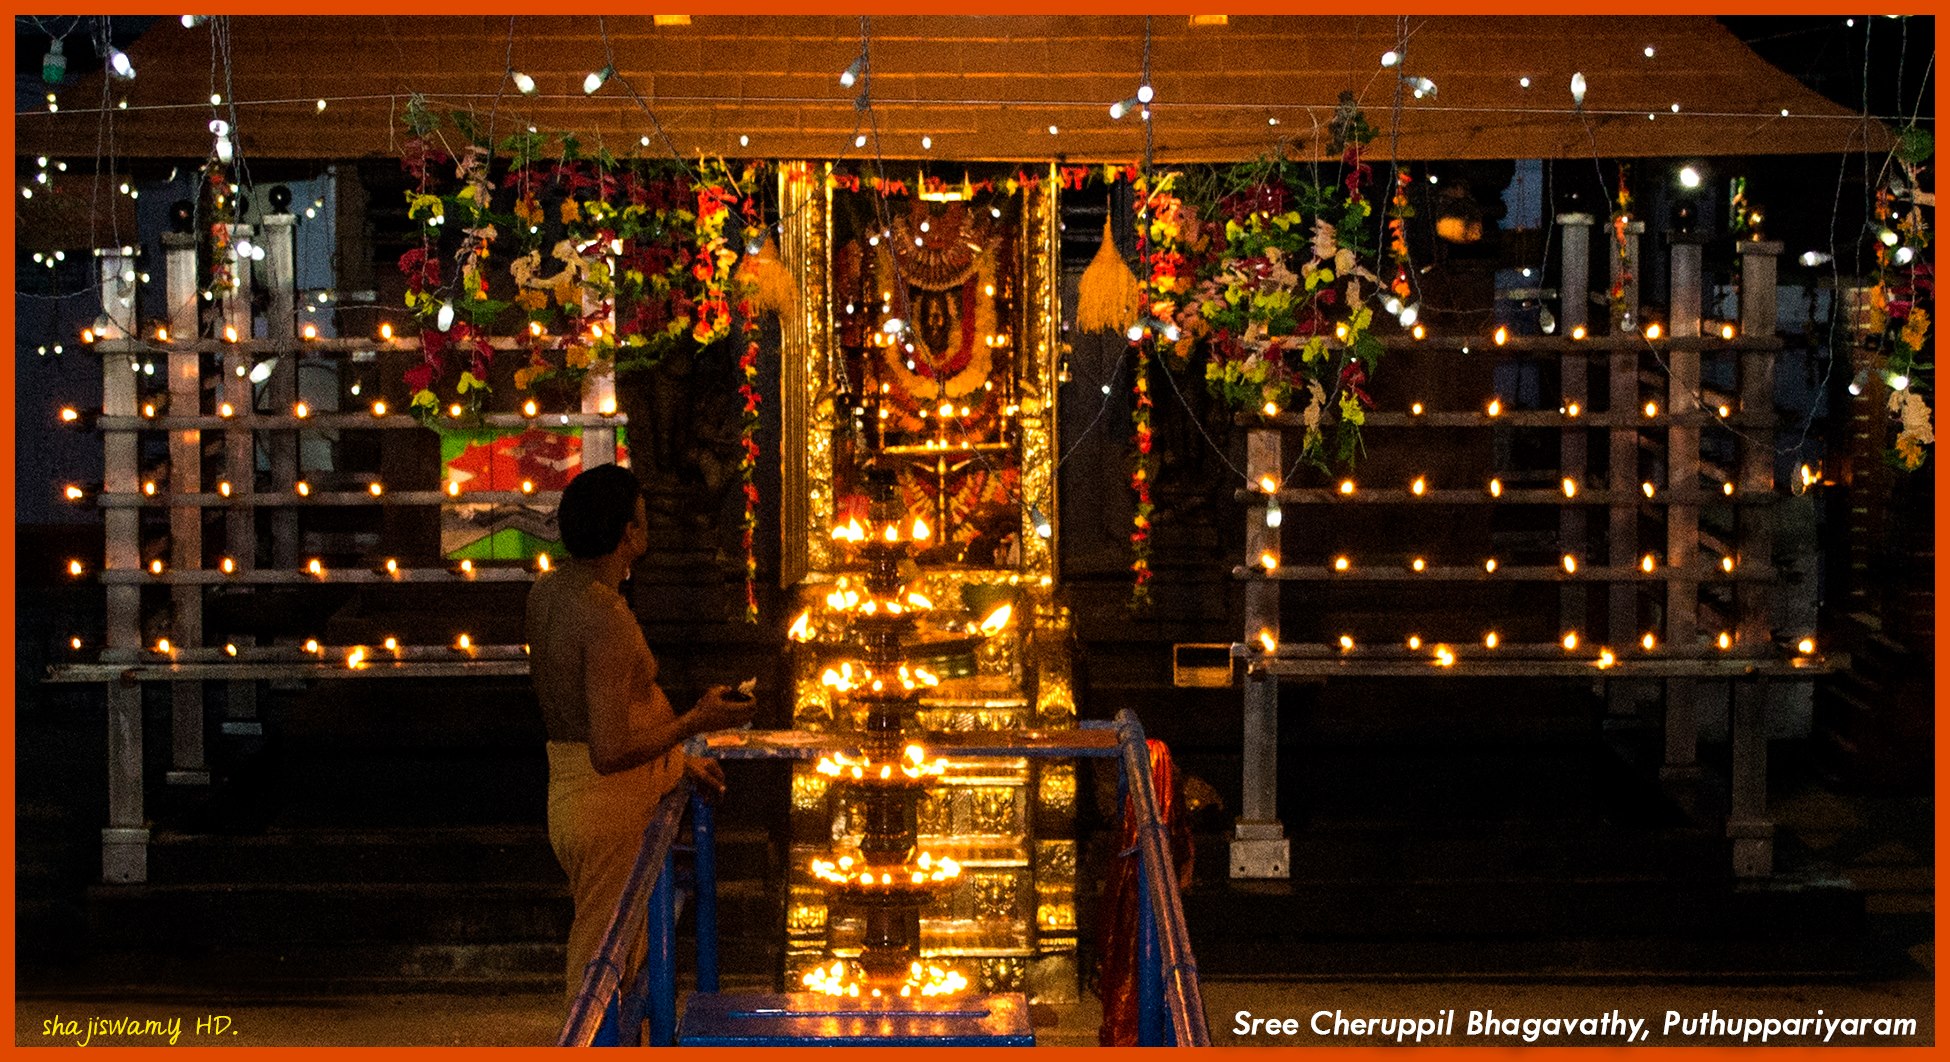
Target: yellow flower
(571, 213)
(532, 299)
(1916, 328)
(576, 357)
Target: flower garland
(1900, 301)
(223, 281)
(1280, 300)
(1159, 216)
(1620, 224)
(748, 427)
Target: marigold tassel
(1107, 296)
(770, 283)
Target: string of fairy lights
(1709, 408)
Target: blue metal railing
(1170, 1008)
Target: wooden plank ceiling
(981, 88)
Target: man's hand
(706, 774)
(714, 712)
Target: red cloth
(1117, 932)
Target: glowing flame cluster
(913, 764)
(924, 870)
(850, 597)
(922, 979)
(846, 678)
(892, 533)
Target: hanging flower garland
(1399, 211)
(1165, 280)
(223, 280)
(1620, 224)
(1900, 302)
(1280, 297)
(748, 418)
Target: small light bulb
(1501, 336)
(223, 488)
(376, 488)
(1649, 642)
(1727, 489)
(1341, 564)
(1496, 488)
(453, 488)
(1725, 412)
(1415, 409)
(1724, 641)
(463, 643)
(1419, 487)
(228, 565)
(1570, 487)
(1647, 563)
(315, 566)
(1727, 564)
(1727, 331)
(162, 645)
(529, 408)
(312, 646)
(1570, 564)
(1419, 332)
(304, 489)
(1570, 641)
(386, 331)
(1489, 565)
(1415, 641)
(1495, 408)
(392, 566)
(1577, 332)
(1652, 409)
(1806, 646)
(74, 567)
(1347, 643)
(1654, 330)
(1418, 564)
(1347, 486)
(1269, 560)
(310, 331)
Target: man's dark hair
(596, 506)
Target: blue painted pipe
(660, 958)
(1150, 980)
(704, 831)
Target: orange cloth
(1117, 933)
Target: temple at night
(1194, 522)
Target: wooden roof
(981, 87)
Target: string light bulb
(595, 80)
(523, 83)
(1653, 330)
(1578, 332)
(1273, 514)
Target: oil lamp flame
(802, 628)
(995, 621)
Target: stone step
(1346, 853)
(1481, 927)
(141, 917)
(452, 854)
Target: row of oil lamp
(155, 407)
(912, 765)
(1571, 410)
(1419, 486)
(846, 678)
(925, 870)
(316, 567)
(1269, 562)
(1725, 641)
(922, 980)
(356, 656)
